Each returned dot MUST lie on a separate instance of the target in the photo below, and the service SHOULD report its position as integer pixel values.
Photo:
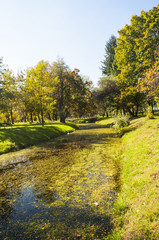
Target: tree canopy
(45, 91)
(109, 63)
(135, 54)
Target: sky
(75, 30)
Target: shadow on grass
(55, 143)
(133, 126)
(21, 137)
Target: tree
(37, 87)
(45, 91)
(109, 64)
(149, 84)
(71, 93)
(1, 65)
(135, 53)
(60, 79)
(105, 94)
(8, 93)
(83, 102)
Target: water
(61, 190)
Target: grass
(136, 210)
(25, 135)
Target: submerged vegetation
(62, 189)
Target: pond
(63, 189)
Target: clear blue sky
(75, 30)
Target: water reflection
(63, 192)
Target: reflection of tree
(70, 222)
(46, 196)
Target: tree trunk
(62, 118)
(152, 108)
(124, 111)
(49, 116)
(39, 118)
(11, 115)
(55, 116)
(31, 117)
(131, 113)
(136, 112)
(42, 117)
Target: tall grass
(120, 122)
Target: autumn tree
(37, 88)
(8, 93)
(135, 53)
(71, 93)
(60, 79)
(46, 90)
(149, 84)
(85, 105)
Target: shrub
(121, 122)
(149, 113)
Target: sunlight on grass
(137, 206)
(26, 135)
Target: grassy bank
(136, 211)
(25, 135)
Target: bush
(121, 122)
(149, 113)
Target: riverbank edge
(136, 209)
(23, 136)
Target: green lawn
(25, 135)
(136, 211)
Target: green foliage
(109, 64)
(135, 53)
(149, 83)
(105, 94)
(9, 93)
(45, 91)
(37, 88)
(1, 65)
(121, 121)
(149, 113)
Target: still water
(61, 190)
